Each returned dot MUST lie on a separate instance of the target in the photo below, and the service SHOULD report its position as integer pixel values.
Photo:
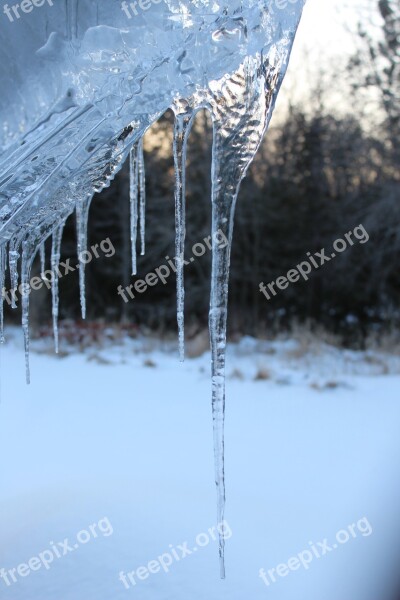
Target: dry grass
(198, 344)
(388, 342)
(100, 360)
(150, 364)
(310, 340)
(237, 374)
(376, 361)
(329, 385)
(263, 374)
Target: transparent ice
(81, 83)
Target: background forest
(324, 168)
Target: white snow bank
(133, 443)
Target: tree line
(318, 175)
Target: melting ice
(82, 82)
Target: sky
(325, 40)
(325, 25)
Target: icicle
(71, 9)
(26, 263)
(224, 199)
(133, 193)
(82, 213)
(3, 264)
(13, 256)
(221, 208)
(236, 138)
(74, 20)
(55, 261)
(142, 194)
(181, 133)
(42, 251)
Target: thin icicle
(3, 264)
(82, 213)
(224, 200)
(133, 196)
(13, 257)
(217, 325)
(71, 8)
(26, 264)
(42, 251)
(142, 194)
(55, 261)
(181, 132)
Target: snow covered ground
(121, 437)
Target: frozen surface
(302, 463)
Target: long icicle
(142, 195)
(182, 128)
(82, 214)
(236, 139)
(227, 173)
(133, 198)
(222, 224)
(3, 265)
(55, 261)
(217, 325)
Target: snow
(310, 450)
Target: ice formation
(81, 83)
